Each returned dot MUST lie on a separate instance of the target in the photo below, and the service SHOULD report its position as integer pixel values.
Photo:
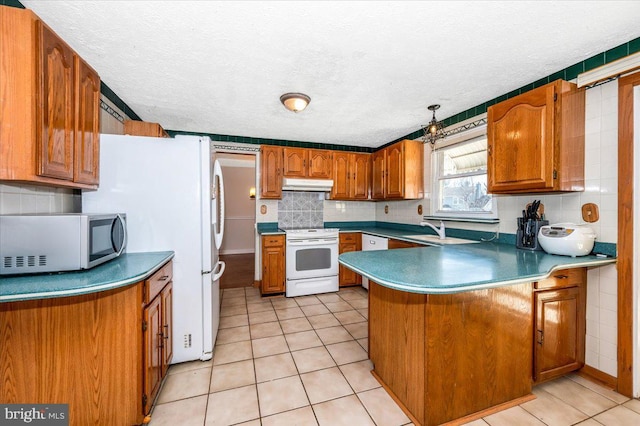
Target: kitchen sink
(436, 240)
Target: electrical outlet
(187, 340)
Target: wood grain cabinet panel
(307, 163)
(50, 112)
(295, 162)
(398, 171)
(349, 241)
(273, 264)
(144, 128)
(560, 325)
(320, 164)
(271, 171)
(351, 176)
(535, 141)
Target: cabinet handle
(561, 277)
(166, 333)
(540, 337)
(489, 150)
(160, 341)
(163, 278)
(310, 164)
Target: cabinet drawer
(562, 278)
(349, 237)
(273, 241)
(157, 281)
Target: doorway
(238, 247)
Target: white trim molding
(612, 69)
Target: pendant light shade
(295, 102)
(433, 131)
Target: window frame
(437, 175)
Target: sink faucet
(440, 232)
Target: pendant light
(433, 130)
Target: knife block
(527, 233)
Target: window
(460, 181)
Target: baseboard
(237, 251)
(598, 376)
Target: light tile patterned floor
(303, 361)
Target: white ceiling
(370, 68)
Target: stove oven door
(311, 258)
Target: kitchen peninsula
(92, 339)
(451, 328)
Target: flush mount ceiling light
(295, 102)
(433, 131)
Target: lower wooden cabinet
(396, 244)
(157, 332)
(349, 241)
(273, 264)
(560, 317)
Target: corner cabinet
(535, 141)
(349, 241)
(351, 176)
(273, 264)
(157, 332)
(560, 324)
(398, 171)
(51, 108)
(270, 172)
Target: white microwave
(34, 243)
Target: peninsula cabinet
(307, 163)
(273, 264)
(535, 141)
(396, 244)
(560, 324)
(270, 171)
(349, 241)
(157, 330)
(398, 171)
(351, 176)
(50, 106)
(446, 356)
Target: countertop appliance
(35, 243)
(173, 193)
(373, 242)
(567, 239)
(311, 261)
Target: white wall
(239, 208)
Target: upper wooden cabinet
(398, 171)
(351, 176)
(535, 141)
(50, 106)
(144, 128)
(270, 171)
(308, 163)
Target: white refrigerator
(173, 194)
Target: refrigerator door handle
(220, 267)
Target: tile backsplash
(301, 210)
(24, 198)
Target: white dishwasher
(372, 242)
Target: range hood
(296, 184)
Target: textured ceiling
(370, 68)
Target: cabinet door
(56, 99)
(320, 164)
(520, 142)
(270, 172)
(348, 277)
(395, 171)
(559, 334)
(273, 264)
(397, 244)
(152, 351)
(360, 176)
(87, 131)
(295, 162)
(167, 326)
(379, 161)
(341, 176)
